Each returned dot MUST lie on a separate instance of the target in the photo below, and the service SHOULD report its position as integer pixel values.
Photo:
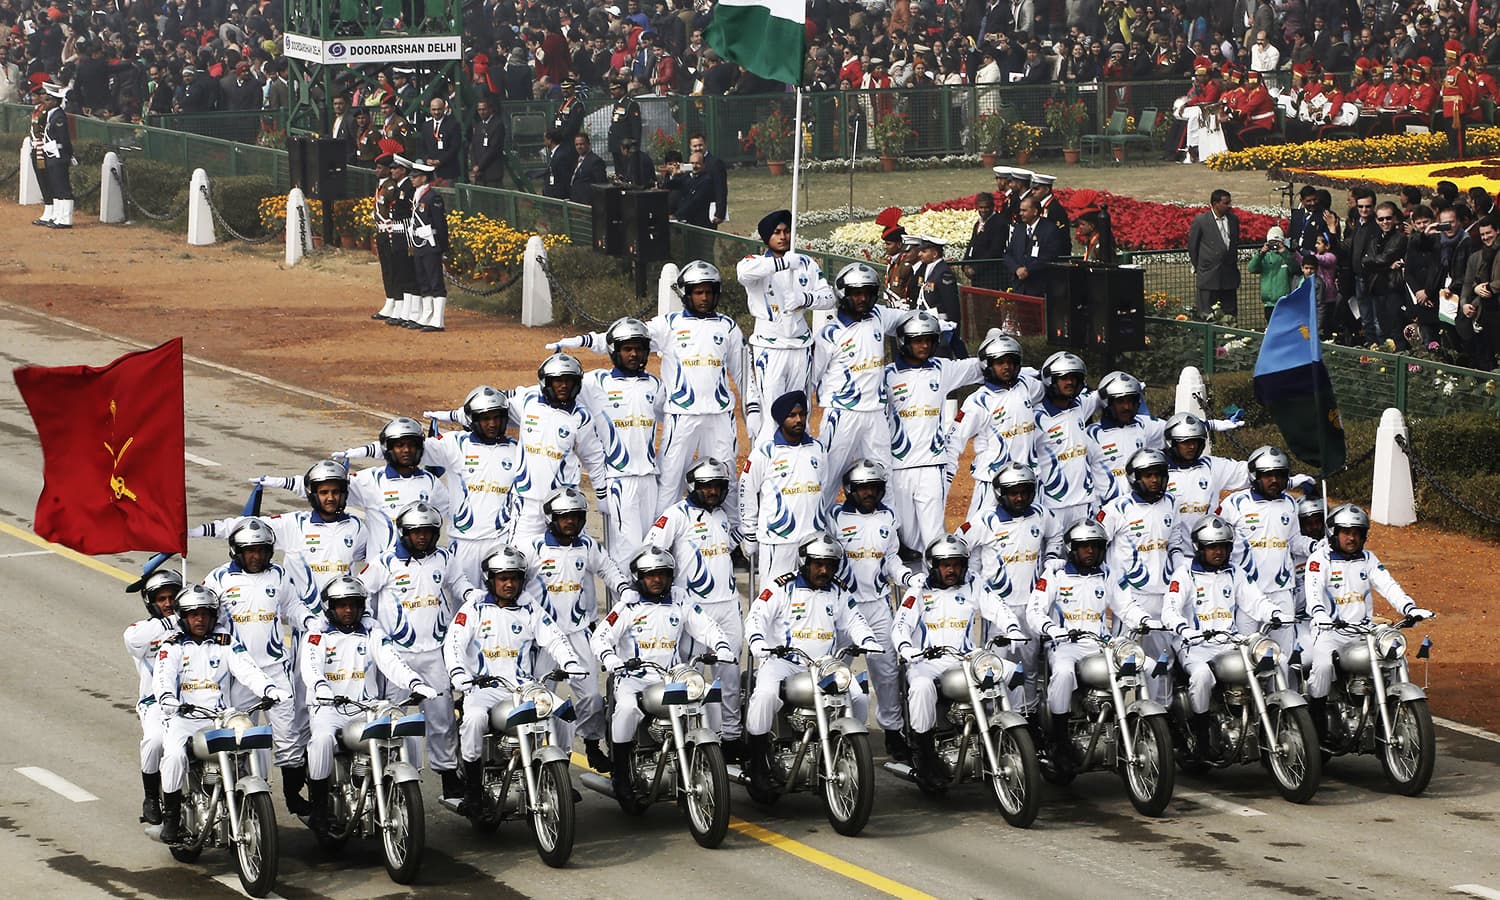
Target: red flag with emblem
(112, 450)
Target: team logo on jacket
(563, 431)
(885, 533)
(674, 620)
(348, 540)
(515, 628)
(437, 577)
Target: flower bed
(1397, 148)
(1466, 173)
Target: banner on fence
(373, 50)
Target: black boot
(151, 806)
(1060, 744)
(895, 746)
(292, 780)
(473, 802)
(1203, 743)
(758, 761)
(1317, 707)
(622, 776)
(599, 761)
(734, 749)
(925, 765)
(171, 817)
(453, 786)
(317, 798)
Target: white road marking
(56, 783)
(195, 458)
(1477, 890)
(1467, 729)
(26, 553)
(1212, 802)
(233, 883)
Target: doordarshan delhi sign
(355, 51)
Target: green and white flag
(766, 37)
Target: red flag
(112, 445)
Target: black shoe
(151, 807)
(378, 317)
(473, 790)
(763, 785)
(733, 749)
(292, 780)
(45, 223)
(929, 771)
(896, 748)
(317, 798)
(56, 225)
(430, 328)
(622, 778)
(395, 321)
(171, 817)
(599, 761)
(1060, 745)
(1201, 726)
(1317, 707)
(453, 785)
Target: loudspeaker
(1097, 307)
(609, 220)
(317, 165)
(648, 234)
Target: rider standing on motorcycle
(1145, 545)
(195, 670)
(781, 487)
(262, 600)
(698, 529)
(805, 609)
(412, 590)
(1122, 429)
(1000, 416)
(494, 634)
(567, 561)
(647, 623)
(143, 641)
(1340, 575)
(556, 433)
(867, 530)
(1209, 594)
(1265, 521)
(342, 660)
(1074, 479)
(1073, 595)
(939, 615)
(1014, 540)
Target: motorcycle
(1373, 706)
(978, 735)
(221, 807)
(817, 744)
(1113, 724)
(373, 789)
(676, 754)
(1255, 716)
(525, 774)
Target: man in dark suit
(560, 162)
(937, 289)
(1036, 244)
(587, 172)
(695, 191)
(1210, 247)
(343, 127)
(634, 167)
(440, 142)
(987, 243)
(487, 146)
(717, 171)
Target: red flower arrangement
(1139, 224)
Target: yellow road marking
(102, 568)
(809, 854)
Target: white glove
(323, 692)
(424, 232)
(463, 684)
(1321, 622)
(751, 549)
(277, 695)
(339, 455)
(52, 148)
(423, 691)
(752, 424)
(567, 343)
(916, 581)
(1417, 612)
(439, 414)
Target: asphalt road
(69, 712)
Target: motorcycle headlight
(987, 666)
(543, 698)
(1266, 647)
(692, 679)
(1125, 649)
(834, 675)
(238, 723)
(1390, 644)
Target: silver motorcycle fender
(1145, 709)
(847, 725)
(701, 736)
(251, 784)
(549, 753)
(1286, 699)
(1403, 691)
(1007, 719)
(402, 771)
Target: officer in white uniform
(556, 433)
(1071, 473)
(781, 489)
(142, 641)
(1267, 530)
(1000, 417)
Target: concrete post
(200, 218)
(1191, 392)
(1392, 502)
(298, 227)
(111, 195)
(536, 291)
(30, 188)
(666, 297)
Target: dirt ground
(310, 326)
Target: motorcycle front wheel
(405, 836)
(1149, 780)
(1408, 756)
(1295, 761)
(849, 790)
(1015, 780)
(706, 795)
(256, 857)
(552, 814)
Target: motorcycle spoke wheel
(1408, 757)
(1295, 761)
(552, 814)
(1015, 780)
(1149, 780)
(706, 795)
(849, 790)
(257, 855)
(404, 838)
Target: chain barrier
(477, 291)
(575, 308)
(224, 223)
(1427, 475)
(131, 199)
(12, 174)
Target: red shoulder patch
(1312, 566)
(661, 522)
(162, 655)
(1099, 516)
(315, 639)
(1041, 584)
(1174, 586)
(765, 594)
(460, 619)
(964, 528)
(612, 618)
(959, 417)
(910, 601)
(746, 466)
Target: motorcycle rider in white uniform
(1266, 524)
(143, 641)
(196, 669)
(498, 632)
(346, 658)
(648, 623)
(627, 403)
(567, 561)
(781, 489)
(917, 384)
(413, 592)
(698, 533)
(1071, 474)
(943, 614)
(1000, 417)
(1123, 429)
(779, 285)
(556, 432)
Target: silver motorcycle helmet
(1211, 530)
(704, 472)
(1117, 385)
(558, 365)
(695, 273)
(1013, 475)
(622, 332)
(819, 546)
(1141, 462)
(919, 324)
(322, 472)
(398, 429)
(1080, 533)
(946, 547)
(344, 587)
(197, 597)
(1186, 427)
(1267, 459)
(564, 501)
(1062, 363)
(1348, 516)
(1308, 507)
(855, 275)
(482, 400)
(865, 471)
(506, 559)
(161, 578)
(418, 514)
(248, 532)
(998, 345)
(650, 559)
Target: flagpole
(796, 164)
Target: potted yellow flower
(1022, 140)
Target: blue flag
(1292, 382)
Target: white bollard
(200, 218)
(536, 291)
(298, 227)
(666, 296)
(1191, 394)
(111, 196)
(31, 189)
(1392, 501)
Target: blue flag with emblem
(1292, 382)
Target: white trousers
(685, 439)
(471, 554)
(724, 717)
(1201, 679)
(882, 666)
(152, 729)
(633, 505)
(765, 700)
(775, 560)
(917, 496)
(476, 723)
(1026, 654)
(1155, 643)
(176, 733)
(850, 435)
(1324, 645)
(1064, 658)
(530, 522)
(326, 721)
(627, 714)
(588, 702)
(775, 371)
(922, 677)
(1068, 516)
(288, 719)
(442, 739)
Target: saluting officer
(427, 232)
(392, 209)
